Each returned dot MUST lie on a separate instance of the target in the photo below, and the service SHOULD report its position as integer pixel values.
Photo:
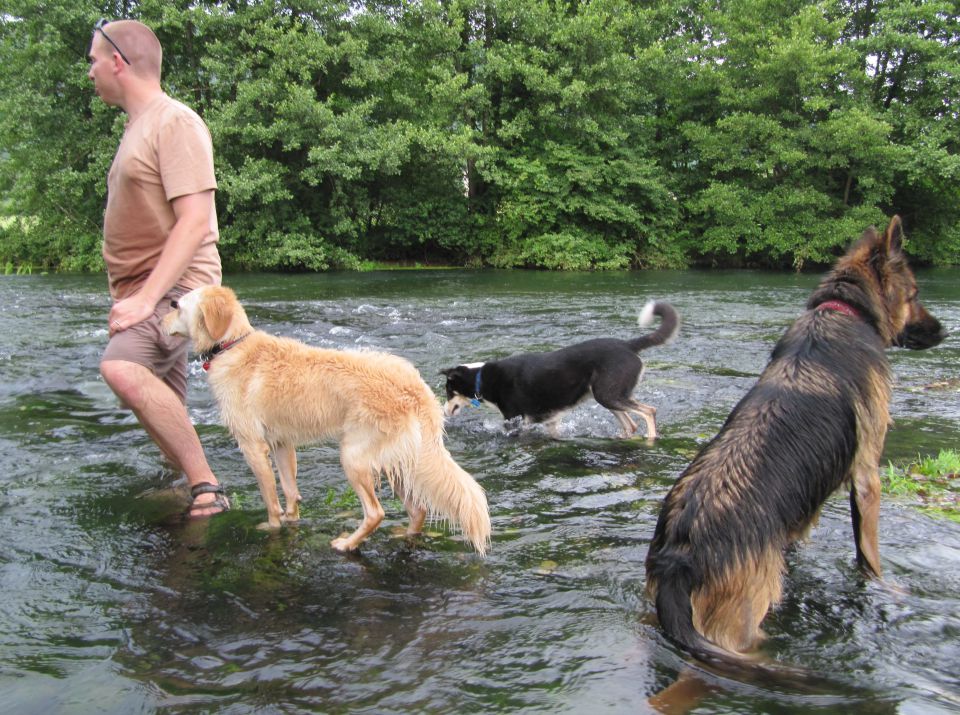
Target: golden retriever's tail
(446, 490)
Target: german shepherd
(277, 393)
(816, 420)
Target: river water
(112, 604)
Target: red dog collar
(217, 349)
(840, 307)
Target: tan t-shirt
(165, 152)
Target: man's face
(102, 70)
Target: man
(159, 241)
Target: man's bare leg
(165, 419)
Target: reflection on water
(112, 604)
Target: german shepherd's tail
(669, 325)
(675, 613)
(446, 490)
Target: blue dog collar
(475, 400)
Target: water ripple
(112, 603)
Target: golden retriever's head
(207, 315)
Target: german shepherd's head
(874, 278)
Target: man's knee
(124, 378)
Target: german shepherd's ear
(887, 246)
(893, 236)
(216, 309)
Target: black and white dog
(542, 386)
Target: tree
(537, 133)
(776, 156)
(567, 167)
(55, 145)
(911, 73)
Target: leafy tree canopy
(513, 133)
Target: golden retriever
(276, 393)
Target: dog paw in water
(341, 544)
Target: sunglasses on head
(101, 23)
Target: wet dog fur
(541, 387)
(276, 393)
(816, 420)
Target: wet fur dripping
(276, 394)
(816, 420)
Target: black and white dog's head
(463, 387)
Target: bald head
(139, 45)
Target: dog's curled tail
(669, 325)
(448, 491)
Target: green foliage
(570, 251)
(945, 464)
(52, 169)
(342, 500)
(934, 482)
(509, 133)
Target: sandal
(220, 501)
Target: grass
(931, 482)
(345, 499)
(22, 269)
(367, 266)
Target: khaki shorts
(145, 344)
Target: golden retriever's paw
(341, 544)
(267, 526)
